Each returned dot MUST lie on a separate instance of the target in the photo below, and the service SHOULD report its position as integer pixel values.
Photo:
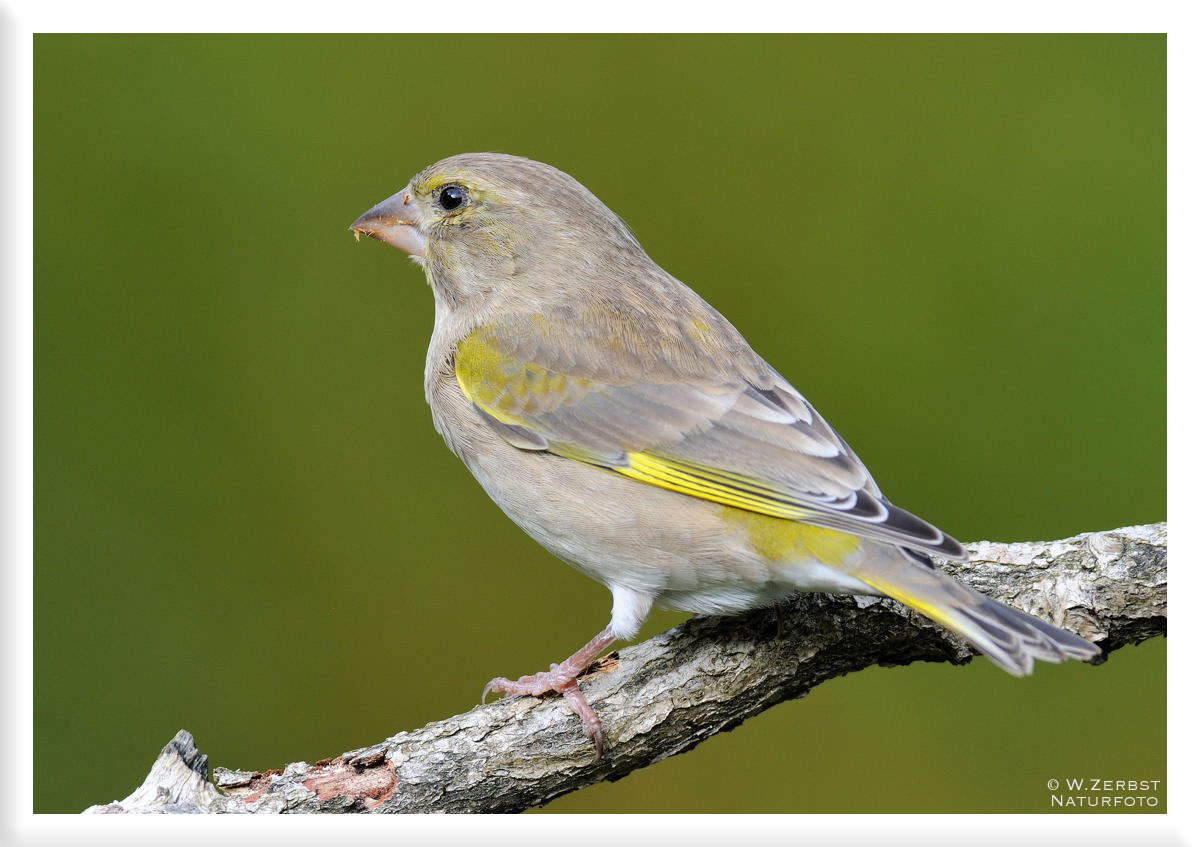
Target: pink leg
(563, 679)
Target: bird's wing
(655, 408)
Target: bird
(626, 426)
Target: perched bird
(622, 422)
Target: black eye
(452, 196)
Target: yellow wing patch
(722, 487)
(505, 387)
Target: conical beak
(394, 222)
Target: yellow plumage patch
(783, 540)
(482, 371)
(719, 486)
(912, 601)
(504, 387)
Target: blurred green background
(246, 525)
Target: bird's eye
(451, 197)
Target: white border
(1183, 412)
(881, 16)
(599, 830)
(16, 248)
(20, 826)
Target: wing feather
(747, 440)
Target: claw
(587, 716)
(503, 687)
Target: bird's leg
(563, 679)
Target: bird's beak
(394, 222)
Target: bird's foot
(556, 679)
(557, 682)
(562, 679)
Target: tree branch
(667, 694)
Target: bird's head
(486, 222)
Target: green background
(246, 526)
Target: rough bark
(667, 694)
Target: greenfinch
(624, 424)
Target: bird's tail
(1010, 638)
